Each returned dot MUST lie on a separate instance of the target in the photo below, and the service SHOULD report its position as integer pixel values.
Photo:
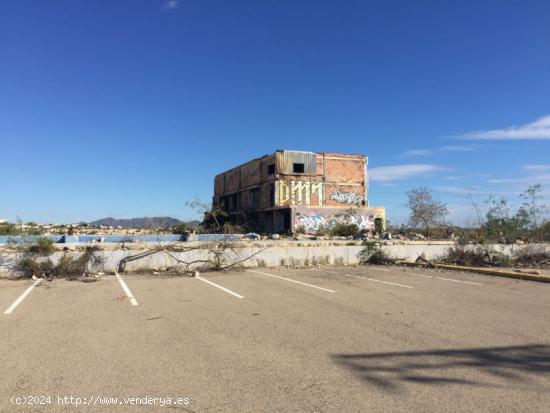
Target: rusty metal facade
(287, 159)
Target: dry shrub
(373, 254)
(532, 255)
(43, 247)
(379, 257)
(477, 256)
(68, 266)
(29, 265)
(71, 267)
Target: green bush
(180, 229)
(43, 246)
(370, 246)
(35, 231)
(373, 254)
(9, 229)
(344, 230)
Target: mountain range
(146, 222)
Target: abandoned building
(292, 191)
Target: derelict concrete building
(292, 190)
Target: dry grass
(532, 256)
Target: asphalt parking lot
(351, 339)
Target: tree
(501, 225)
(425, 209)
(180, 228)
(532, 206)
(545, 231)
(213, 217)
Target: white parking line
(293, 281)
(458, 281)
(378, 281)
(126, 290)
(388, 282)
(447, 279)
(421, 275)
(220, 287)
(327, 271)
(22, 297)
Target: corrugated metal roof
(287, 159)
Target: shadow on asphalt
(470, 367)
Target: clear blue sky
(129, 108)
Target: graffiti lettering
(300, 192)
(349, 198)
(312, 223)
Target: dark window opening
(233, 203)
(271, 169)
(286, 219)
(272, 195)
(254, 198)
(298, 168)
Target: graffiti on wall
(349, 198)
(311, 223)
(300, 192)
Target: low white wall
(270, 254)
(432, 251)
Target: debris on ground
(252, 236)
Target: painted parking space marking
(379, 281)
(389, 283)
(382, 269)
(126, 290)
(220, 287)
(292, 281)
(458, 281)
(422, 275)
(22, 297)
(445, 279)
(327, 271)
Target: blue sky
(129, 108)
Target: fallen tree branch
(424, 260)
(215, 261)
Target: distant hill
(193, 224)
(162, 222)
